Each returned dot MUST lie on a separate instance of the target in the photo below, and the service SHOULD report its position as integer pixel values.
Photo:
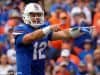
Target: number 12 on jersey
(38, 50)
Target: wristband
(46, 30)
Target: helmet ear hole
(29, 22)
(23, 18)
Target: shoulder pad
(20, 29)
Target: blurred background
(79, 56)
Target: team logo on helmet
(36, 7)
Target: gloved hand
(78, 31)
(75, 32)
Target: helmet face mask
(36, 18)
(33, 15)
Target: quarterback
(31, 40)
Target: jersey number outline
(38, 49)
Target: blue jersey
(30, 57)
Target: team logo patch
(36, 7)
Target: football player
(31, 40)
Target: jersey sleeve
(19, 33)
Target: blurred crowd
(78, 56)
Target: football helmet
(33, 15)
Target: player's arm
(33, 36)
(28, 38)
(66, 34)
